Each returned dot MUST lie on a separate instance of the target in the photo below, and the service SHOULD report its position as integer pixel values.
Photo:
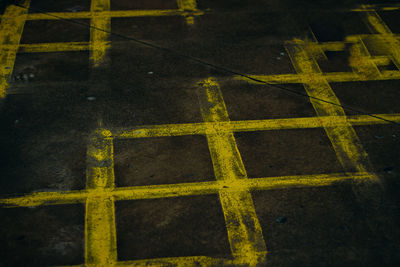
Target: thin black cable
(202, 62)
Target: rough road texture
(118, 149)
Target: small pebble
(282, 54)
(281, 219)
(388, 169)
(25, 77)
(394, 136)
(16, 121)
(91, 98)
(150, 73)
(31, 75)
(278, 58)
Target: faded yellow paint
(232, 184)
(252, 125)
(53, 47)
(114, 14)
(344, 139)
(371, 7)
(100, 232)
(329, 77)
(360, 59)
(387, 41)
(178, 261)
(244, 230)
(11, 27)
(100, 29)
(188, 6)
(180, 190)
(45, 198)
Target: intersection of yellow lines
(231, 182)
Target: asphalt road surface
(199, 133)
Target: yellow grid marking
(244, 230)
(232, 184)
(12, 25)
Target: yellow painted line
(344, 139)
(381, 60)
(179, 190)
(389, 41)
(11, 27)
(160, 130)
(100, 230)
(113, 14)
(329, 77)
(361, 61)
(99, 38)
(45, 198)
(53, 47)
(178, 261)
(244, 230)
(251, 125)
(332, 46)
(371, 7)
(59, 15)
(311, 122)
(188, 5)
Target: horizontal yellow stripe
(53, 47)
(182, 189)
(113, 14)
(329, 77)
(251, 125)
(178, 261)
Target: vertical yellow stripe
(244, 230)
(99, 31)
(11, 28)
(188, 5)
(343, 138)
(100, 232)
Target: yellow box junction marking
(232, 184)
(12, 25)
